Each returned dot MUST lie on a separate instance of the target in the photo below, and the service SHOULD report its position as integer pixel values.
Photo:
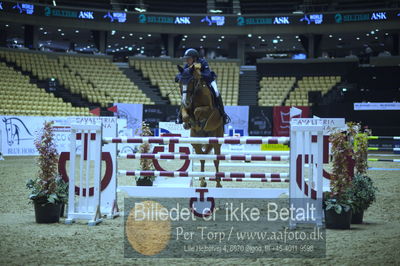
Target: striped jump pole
(383, 149)
(247, 165)
(168, 140)
(205, 174)
(238, 152)
(384, 137)
(266, 180)
(384, 160)
(213, 157)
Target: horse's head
(189, 80)
(9, 130)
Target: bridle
(192, 91)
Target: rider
(192, 57)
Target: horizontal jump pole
(268, 180)
(384, 160)
(236, 152)
(383, 154)
(203, 174)
(383, 149)
(168, 140)
(219, 193)
(384, 137)
(280, 165)
(213, 157)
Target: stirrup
(178, 120)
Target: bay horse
(200, 114)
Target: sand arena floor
(23, 241)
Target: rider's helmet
(191, 53)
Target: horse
(13, 127)
(200, 114)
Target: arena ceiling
(119, 41)
(227, 6)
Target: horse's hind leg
(217, 151)
(198, 149)
(203, 182)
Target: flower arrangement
(363, 191)
(361, 152)
(47, 187)
(339, 198)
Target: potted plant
(145, 164)
(337, 202)
(362, 195)
(363, 190)
(48, 191)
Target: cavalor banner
(282, 116)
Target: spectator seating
(299, 96)
(20, 97)
(227, 81)
(161, 73)
(273, 90)
(97, 80)
(106, 79)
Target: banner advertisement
(153, 114)
(239, 119)
(129, 123)
(19, 132)
(260, 121)
(132, 113)
(282, 116)
(376, 106)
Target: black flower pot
(144, 182)
(357, 217)
(62, 210)
(334, 220)
(47, 213)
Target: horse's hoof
(218, 185)
(203, 183)
(186, 126)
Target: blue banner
(133, 114)
(239, 119)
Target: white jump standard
(87, 208)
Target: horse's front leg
(217, 151)
(201, 115)
(185, 118)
